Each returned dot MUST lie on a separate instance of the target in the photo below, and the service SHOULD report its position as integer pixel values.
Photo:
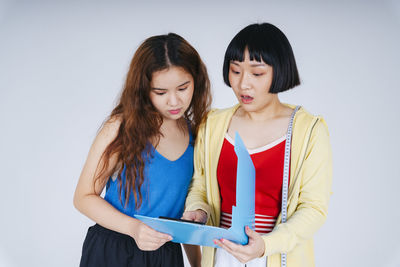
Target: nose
(244, 81)
(173, 99)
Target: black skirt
(106, 248)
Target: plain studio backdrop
(63, 64)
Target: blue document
(242, 214)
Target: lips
(246, 99)
(174, 111)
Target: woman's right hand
(147, 238)
(196, 215)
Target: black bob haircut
(267, 43)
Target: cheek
(188, 95)
(151, 97)
(233, 81)
(155, 100)
(263, 85)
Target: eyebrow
(258, 65)
(162, 89)
(251, 65)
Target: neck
(170, 125)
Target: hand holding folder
(243, 214)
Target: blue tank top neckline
(153, 149)
(164, 188)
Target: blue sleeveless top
(164, 188)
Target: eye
(234, 72)
(159, 92)
(258, 74)
(182, 89)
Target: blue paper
(243, 214)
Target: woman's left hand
(254, 249)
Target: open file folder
(242, 214)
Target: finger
(158, 235)
(239, 251)
(201, 217)
(188, 215)
(157, 238)
(232, 246)
(252, 234)
(162, 236)
(221, 245)
(147, 239)
(153, 243)
(237, 254)
(217, 242)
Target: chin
(172, 117)
(249, 107)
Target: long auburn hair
(140, 121)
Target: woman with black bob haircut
(266, 43)
(290, 150)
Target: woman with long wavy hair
(143, 155)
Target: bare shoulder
(110, 129)
(104, 138)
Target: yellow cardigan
(309, 188)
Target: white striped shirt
(264, 223)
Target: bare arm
(88, 201)
(193, 253)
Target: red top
(268, 162)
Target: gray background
(63, 63)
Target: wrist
(131, 227)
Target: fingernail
(215, 242)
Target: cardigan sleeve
(314, 193)
(197, 194)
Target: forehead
(171, 77)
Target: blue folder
(243, 214)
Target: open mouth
(246, 99)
